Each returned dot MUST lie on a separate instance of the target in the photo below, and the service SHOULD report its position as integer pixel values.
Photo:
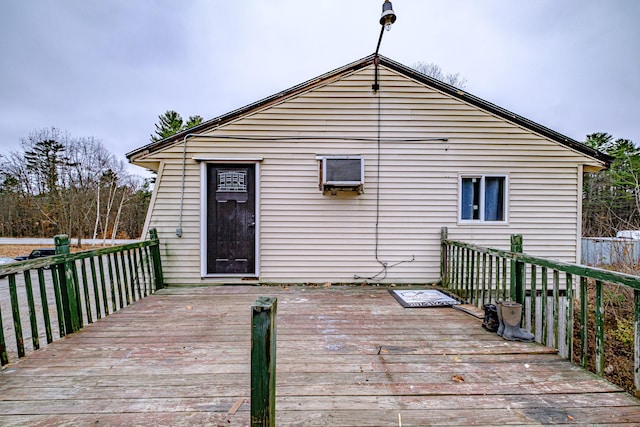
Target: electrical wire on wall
(382, 274)
(385, 265)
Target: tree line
(55, 184)
(611, 198)
(58, 184)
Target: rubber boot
(500, 330)
(512, 316)
(490, 322)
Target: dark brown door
(231, 219)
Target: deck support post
(263, 362)
(155, 255)
(68, 294)
(444, 258)
(516, 287)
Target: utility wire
(385, 265)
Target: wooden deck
(346, 356)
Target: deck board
(346, 356)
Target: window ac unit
(343, 173)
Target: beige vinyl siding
(306, 236)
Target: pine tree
(611, 199)
(170, 123)
(45, 160)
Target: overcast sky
(108, 68)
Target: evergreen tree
(611, 198)
(44, 160)
(170, 123)
(193, 121)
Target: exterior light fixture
(387, 18)
(388, 15)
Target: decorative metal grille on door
(232, 181)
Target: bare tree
(432, 69)
(108, 183)
(135, 212)
(89, 160)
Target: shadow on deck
(346, 356)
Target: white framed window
(483, 198)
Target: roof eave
(450, 90)
(220, 120)
(498, 111)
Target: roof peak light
(388, 15)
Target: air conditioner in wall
(342, 173)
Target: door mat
(417, 298)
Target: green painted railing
(73, 288)
(550, 292)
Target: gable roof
(401, 69)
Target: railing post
(263, 362)
(636, 340)
(15, 311)
(444, 257)
(516, 288)
(67, 287)
(4, 356)
(155, 255)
